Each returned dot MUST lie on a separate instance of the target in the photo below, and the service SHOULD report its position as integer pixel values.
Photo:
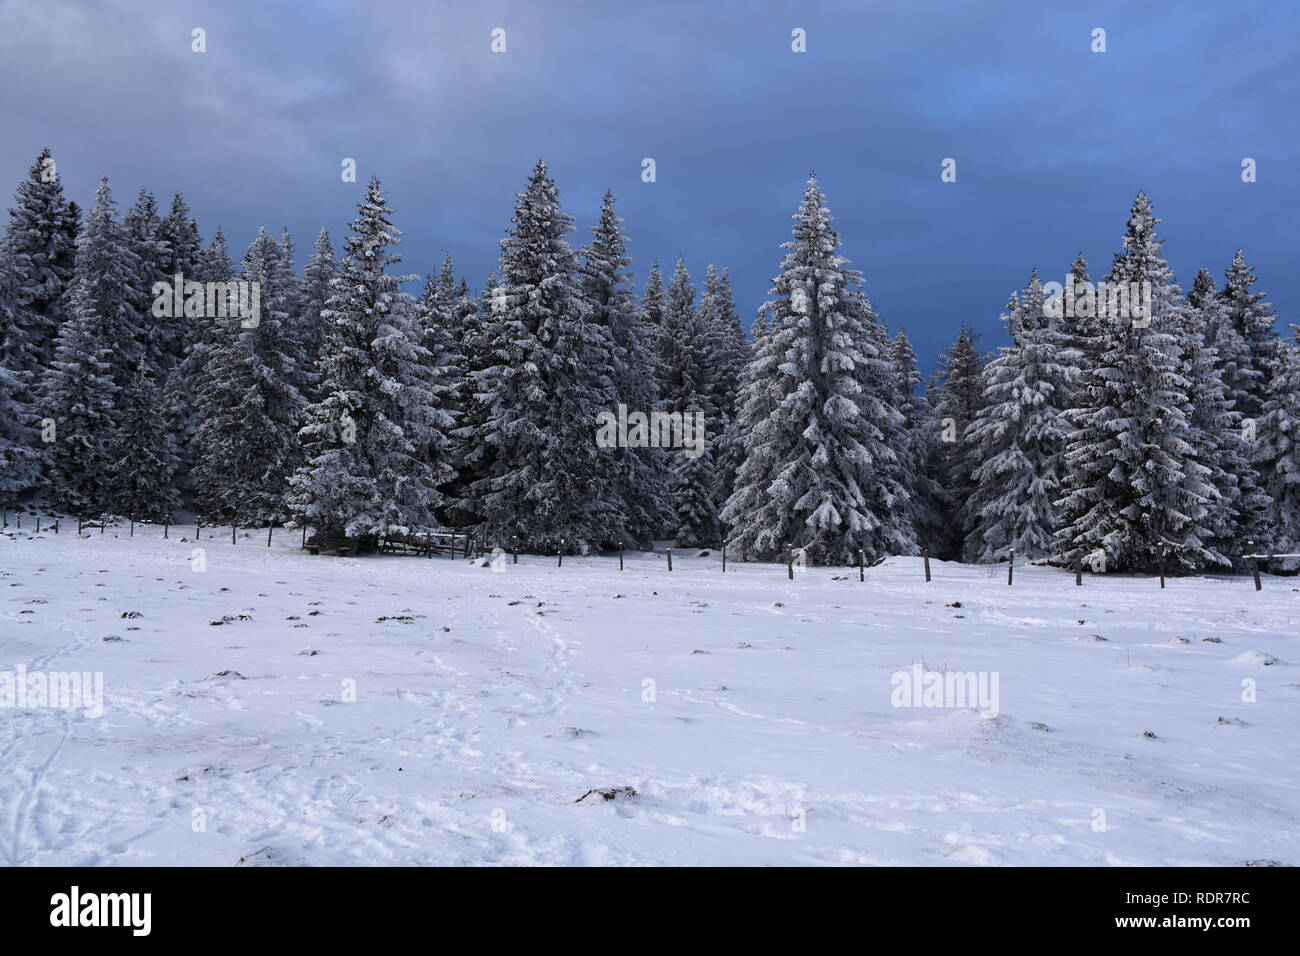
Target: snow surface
(488, 704)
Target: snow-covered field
(748, 717)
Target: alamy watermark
(651, 430)
(1105, 300)
(213, 300)
(918, 687)
(66, 690)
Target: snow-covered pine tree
(156, 337)
(817, 470)
(687, 392)
(180, 234)
(756, 400)
(309, 326)
(960, 398)
(727, 356)
(439, 321)
(19, 459)
(38, 251)
(1279, 438)
(606, 282)
(249, 409)
(929, 502)
(1134, 489)
(99, 336)
(375, 443)
(146, 464)
(549, 374)
(1018, 436)
(475, 460)
(1214, 354)
(1253, 319)
(652, 315)
(185, 381)
(888, 495)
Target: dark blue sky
(1052, 141)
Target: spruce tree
(1253, 319)
(99, 337)
(38, 252)
(156, 337)
(1018, 437)
(249, 409)
(309, 326)
(1136, 489)
(960, 398)
(1279, 438)
(375, 442)
(546, 378)
(179, 234)
(819, 472)
(726, 357)
(606, 282)
(687, 393)
(144, 473)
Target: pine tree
(186, 380)
(960, 398)
(641, 473)
(38, 252)
(156, 337)
(1134, 489)
(1253, 319)
(756, 401)
(146, 463)
(100, 335)
(687, 392)
(727, 353)
(652, 315)
(1213, 355)
(249, 410)
(375, 443)
(179, 234)
(1279, 431)
(547, 375)
(819, 473)
(19, 460)
(1018, 436)
(309, 326)
(475, 459)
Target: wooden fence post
(514, 543)
(56, 525)
(1078, 573)
(232, 534)
(132, 533)
(38, 524)
(1011, 564)
(670, 559)
(724, 558)
(167, 521)
(1163, 554)
(560, 562)
(789, 567)
(862, 565)
(269, 528)
(620, 555)
(1254, 569)
(925, 556)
